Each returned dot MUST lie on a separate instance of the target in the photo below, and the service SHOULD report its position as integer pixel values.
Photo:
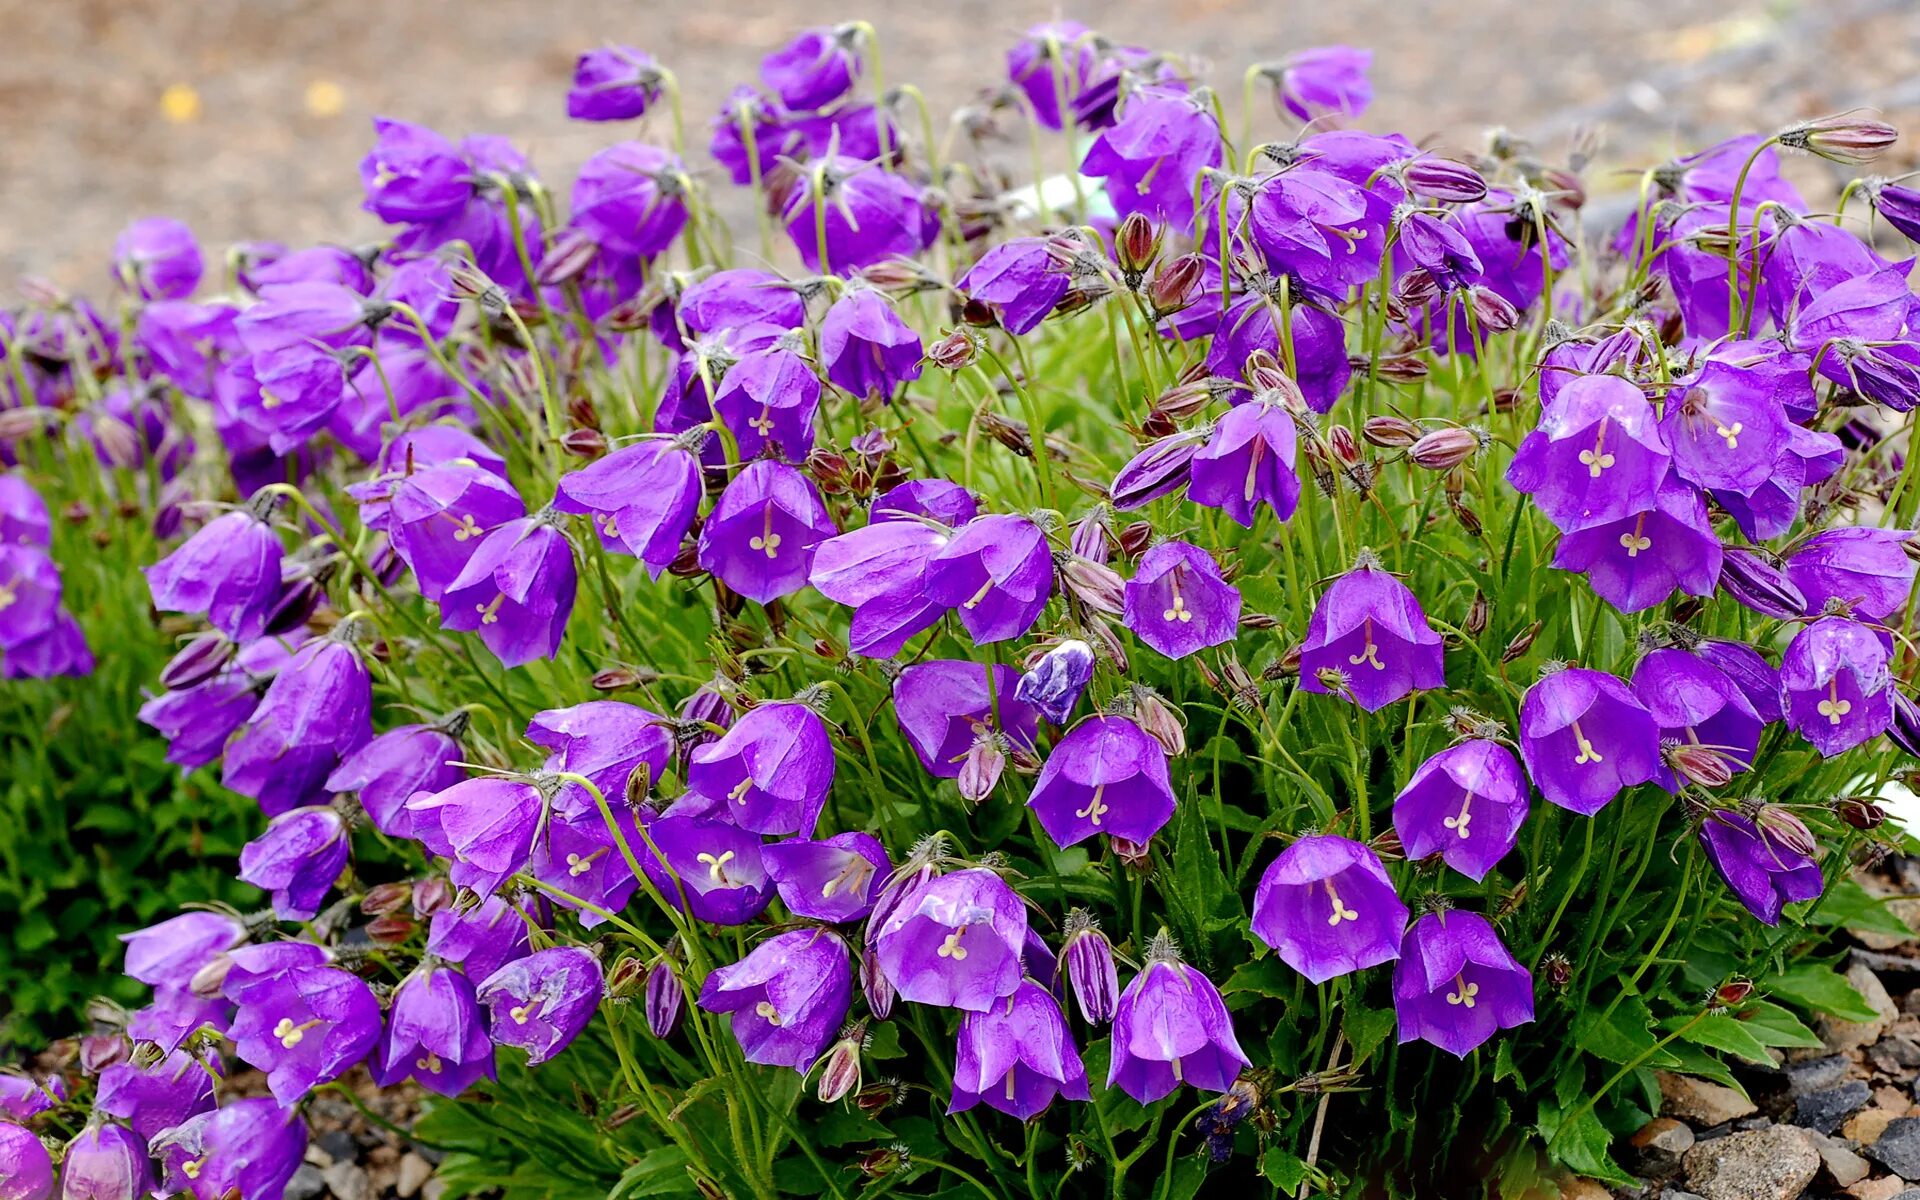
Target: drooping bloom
(23, 1096)
(642, 497)
(485, 826)
(788, 997)
(613, 83)
(1018, 281)
(760, 537)
(1638, 561)
(229, 570)
(1178, 603)
(868, 351)
(1465, 804)
(249, 1147)
(712, 867)
(317, 710)
(769, 399)
(1756, 678)
(436, 1034)
(1017, 1056)
(1864, 566)
(1369, 640)
(1698, 708)
(1456, 985)
(106, 1162)
(30, 592)
(1170, 1027)
(1327, 907)
(836, 880)
(23, 514)
(1835, 687)
(157, 1096)
(156, 258)
(1247, 461)
(1598, 455)
(1050, 63)
(1762, 871)
(439, 516)
(305, 1027)
(815, 69)
(26, 1169)
(879, 570)
(482, 939)
(945, 705)
(1108, 776)
(1808, 458)
(516, 591)
(1161, 468)
(608, 742)
(396, 764)
(770, 772)
(297, 859)
(540, 1003)
(998, 572)
(1325, 80)
(1151, 155)
(631, 198)
(1585, 737)
(953, 941)
(856, 214)
(1753, 580)
(1726, 428)
(413, 174)
(170, 952)
(1053, 684)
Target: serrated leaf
(1580, 1143)
(1366, 1029)
(1723, 1032)
(1772, 1025)
(1850, 906)
(1260, 977)
(1821, 988)
(1623, 1035)
(1284, 1170)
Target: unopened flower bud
(955, 351)
(878, 1164)
(1092, 537)
(584, 443)
(1390, 433)
(1136, 243)
(198, 661)
(1558, 971)
(1702, 766)
(295, 606)
(1053, 684)
(1088, 958)
(1790, 831)
(1416, 290)
(98, 1051)
(1094, 584)
(16, 423)
(615, 679)
(1176, 285)
(1757, 583)
(1851, 140)
(432, 895)
(1521, 643)
(1733, 991)
(980, 769)
(879, 1097)
(1444, 180)
(1493, 312)
(1469, 520)
(1135, 538)
(390, 930)
(1859, 812)
(627, 977)
(875, 985)
(1444, 448)
(1479, 613)
(1136, 857)
(840, 1066)
(1905, 730)
(1344, 445)
(1158, 719)
(383, 898)
(1111, 647)
(206, 981)
(665, 999)
(1398, 368)
(567, 257)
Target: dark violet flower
(157, 259)
(605, 740)
(814, 69)
(23, 514)
(26, 1169)
(1863, 566)
(1018, 281)
(1638, 561)
(835, 880)
(1178, 603)
(769, 399)
(1170, 1027)
(439, 516)
(1762, 871)
(739, 298)
(760, 537)
(482, 939)
(305, 1027)
(1726, 428)
(867, 350)
(393, 766)
(156, 1096)
(1370, 638)
(1327, 908)
(613, 83)
(1088, 956)
(714, 867)
(176, 1013)
(1434, 245)
(485, 826)
(106, 1162)
(30, 592)
(1455, 985)
(945, 705)
(309, 317)
(1107, 775)
(1752, 674)
(880, 571)
(1248, 460)
(1835, 687)
(788, 997)
(297, 859)
(1698, 708)
(516, 591)
(1324, 234)
(998, 571)
(748, 135)
(59, 649)
(954, 941)
(1324, 81)
(770, 773)
(436, 1034)
(857, 214)
(1162, 468)
(1320, 363)
(1585, 737)
(1052, 686)
(229, 570)
(413, 174)
(631, 199)
(643, 499)
(1598, 455)
(317, 710)
(1465, 804)
(1150, 157)
(249, 1148)
(540, 1003)
(1808, 457)
(1754, 581)
(1017, 1056)
(1050, 63)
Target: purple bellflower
(1598, 455)
(769, 773)
(1327, 908)
(998, 572)
(317, 710)
(1456, 985)
(945, 706)
(1151, 155)
(1247, 461)
(788, 997)
(613, 83)
(439, 516)
(393, 766)
(157, 259)
(713, 867)
(1585, 738)
(1053, 684)
(1178, 602)
(642, 498)
(867, 350)
(1465, 804)
(954, 941)
(1864, 566)
(1369, 640)
(517, 590)
(229, 570)
(305, 1027)
(1107, 775)
(106, 1162)
(540, 1003)
(606, 741)
(1170, 1027)
(297, 859)
(1698, 709)
(1761, 869)
(760, 537)
(436, 1034)
(836, 880)
(1835, 687)
(1638, 561)
(1325, 80)
(1016, 279)
(1017, 1056)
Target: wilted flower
(1170, 1027)
(788, 997)
(1052, 685)
(1465, 804)
(1456, 985)
(1327, 907)
(1758, 867)
(540, 1003)
(1105, 776)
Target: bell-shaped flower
(438, 517)
(608, 742)
(1465, 804)
(954, 940)
(836, 880)
(305, 1027)
(485, 826)
(642, 499)
(482, 939)
(1585, 738)
(1758, 681)
(170, 952)
(712, 868)
(540, 1003)
(25, 1164)
(153, 1097)
(317, 710)
(1247, 461)
(770, 772)
(613, 83)
(106, 1162)
(229, 570)
(250, 1147)
(297, 859)
(1150, 158)
(436, 1034)
(1319, 342)
(1639, 560)
(1698, 709)
(998, 572)
(413, 174)
(1369, 640)
(1170, 1027)
(1107, 775)
(1018, 281)
(867, 350)
(769, 400)
(739, 298)
(631, 199)
(1598, 455)
(1806, 459)
(1835, 687)
(1325, 81)
(404, 760)
(788, 997)
(1456, 985)
(1178, 602)
(760, 537)
(516, 591)
(945, 705)
(578, 855)
(815, 69)
(1725, 427)
(1327, 908)
(1864, 566)
(197, 721)
(879, 570)
(857, 214)
(1761, 870)
(1017, 1056)
(156, 258)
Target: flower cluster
(821, 541)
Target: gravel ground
(247, 117)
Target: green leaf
(1261, 977)
(1580, 1144)
(1622, 1036)
(1366, 1029)
(1772, 1025)
(659, 1172)
(1503, 1067)
(1821, 988)
(1285, 1170)
(1724, 1032)
(1850, 906)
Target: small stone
(348, 1182)
(1897, 971)
(1909, 1194)
(1816, 1074)
(339, 1146)
(1896, 1053)
(1840, 1164)
(1763, 1164)
(1701, 1103)
(1658, 1146)
(1884, 1188)
(1677, 1194)
(306, 1184)
(1825, 1110)
(1865, 1128)
(1892, 1099)
(1898, 1149)
(414, 1173)
(434, 1189)
(317, 1157)
(1583, 1189)
(1841, 1036)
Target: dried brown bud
(1558, 970)
(1136, 243)
(581, 411)
(390, 930)
(1160, 721)
(584, 443)
(384, 898)
(1390, 432)
(1469, 520)
(1094, 584)
(1860, 812)
(1135, 538)
(1521, 643)
(1493, 312)
(1399, 368)
(1136, 857)
(1733, 991)
(1479, 613)
(955, 351)
(615, 679)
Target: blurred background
(247, 118)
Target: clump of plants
(1116, 645)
